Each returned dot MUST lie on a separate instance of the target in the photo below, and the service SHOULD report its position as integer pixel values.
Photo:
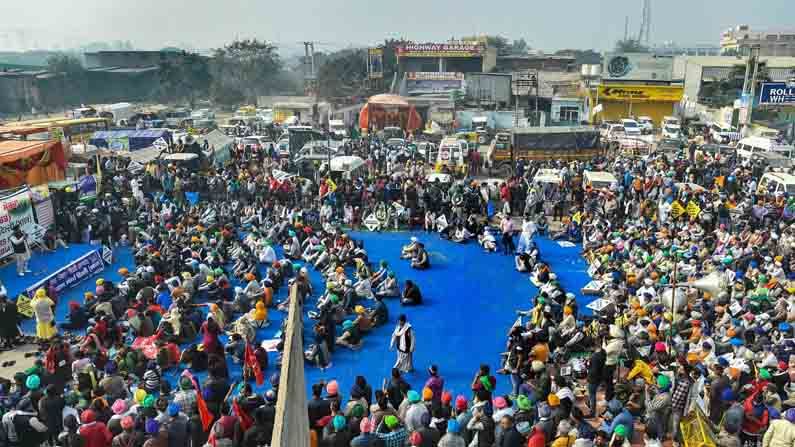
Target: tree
(65, 63)
(250, 67)
(186, 76)
(519, 47)
(343, 74)
(630, 46)
(66, 87)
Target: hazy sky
(547, 25)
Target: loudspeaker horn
(712, 284)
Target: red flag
(204, 412)
(245, 420)
(253, 363)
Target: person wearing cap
(392, 432)
(177, 426)
(658, 404)
(781, 432)
(93, 431)
(452, 436)
(408, 251)
(755, 420)
(42, 307)
(412, 410)
(620, 437)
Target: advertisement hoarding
(375, 63)
(637, 67)
(777, 93)
(639, 93)
(441, 50)
(437, 82)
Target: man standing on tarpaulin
(403, 337)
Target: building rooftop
(732, 61)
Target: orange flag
(253, 363)
(204, 412)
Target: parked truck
(541, 143)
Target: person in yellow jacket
(781, 432)
(42, 307)
(259, 315)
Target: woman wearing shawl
(403, 339)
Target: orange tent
(389, 110)
(30, 162)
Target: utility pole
(752, 88)
(626, 28)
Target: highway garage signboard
(777, 93)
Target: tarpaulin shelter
(31, 162)
(129, 140)
(389, 110)
(220, 143)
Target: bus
(74, 130)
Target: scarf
(402, 338)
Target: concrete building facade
(740, 39)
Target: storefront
(624, 100)
(566, 111)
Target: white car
(631, 127)
(616, 131)
(673, 131)
(255, 141)
(315, 151)
(646, 124)
(723, 134)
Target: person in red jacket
(95, 433)
(755, 420)
(536, 438)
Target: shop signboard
(441, 50)
(639, 93)
(16, 208)
(375, 63)
(637, 67)
(777, 93)
(440, 82)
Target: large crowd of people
(693, 261)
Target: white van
(545, 175)
(450, 156)
(599, 180)
(631, 127)
(337, 127)
(751, 145)
(777, 182)
(348, 167)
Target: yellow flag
(577, 217)
(23, 306)
(677, 209)
(693, 209)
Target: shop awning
(13, 150)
